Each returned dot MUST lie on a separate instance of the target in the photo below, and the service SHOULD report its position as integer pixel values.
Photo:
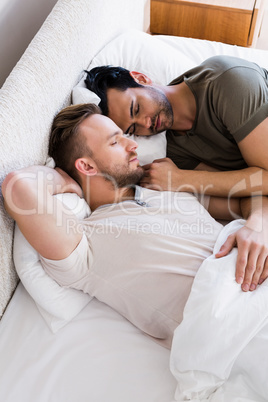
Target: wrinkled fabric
(219, 323)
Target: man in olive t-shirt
(231, 97)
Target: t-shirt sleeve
(240, 99)
(69, 271)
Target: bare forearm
(224, 208)
(163, 174)
(239, 183)
(255, 210)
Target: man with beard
(140, 249)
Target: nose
(131, 145)
(144, 121)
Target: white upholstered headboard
(40, 85)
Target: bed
(62, 345)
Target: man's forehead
(120, 105)
(99, 127)
(93, 121)
(117, 98)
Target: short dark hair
(65, 142)
(102, 78)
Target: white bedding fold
(219, 322)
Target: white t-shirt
(140, 257)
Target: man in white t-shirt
(140, 249)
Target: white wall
(19, 22)
(262, 41)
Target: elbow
(8, 191)
(15, 190)
(7, 185)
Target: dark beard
(163, 106)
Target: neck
(183, 105)
(98, 192)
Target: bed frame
(40, 85)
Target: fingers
(147, 171)
(147, 167)
(252, 261)
(229, 244)
(146, 182)
(252, 267)
(161, 175)
(259, 274)
(162, 160)
(153, 177)
(246, 268)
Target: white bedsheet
(98, 357)
(220, 350)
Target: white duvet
(220, 350)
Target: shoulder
(220, 66)
(226, 62)
(223, 68)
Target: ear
(141, 78)
(85, 166)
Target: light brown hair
(66, 144)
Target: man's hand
(252, 244)
(252, 258)
(160, 175)
(69, 185)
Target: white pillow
(139, 51)
(56, 304)
(150, 148)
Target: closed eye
(133, 126)
(115, 137)
(132, 129)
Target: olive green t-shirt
(231, 100)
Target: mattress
(99, 356)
